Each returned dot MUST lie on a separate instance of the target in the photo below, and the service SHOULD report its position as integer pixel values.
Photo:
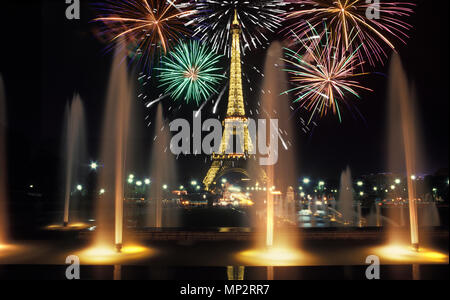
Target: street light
(413, 177)
(193, 183)
(94, 166)
(306, 180)
(139, 183)
(321, 183)
(79, 187)
(398, 181)
(165, 187)
(360, 183)
(102, 191)
(147, 181)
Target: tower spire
(235, 21)
(235, 98)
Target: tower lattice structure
(236, 122)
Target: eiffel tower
(235, 124)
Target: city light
(94, 166)
(224, 180)
(413, 177)
(102, 191)
(360, 183)
(130, 180)
(398, 181)
(361, 193)
(79, 187)
(165, 187)
(375, 188)
(306, 180)
(181, 187)
(131, 176)
(147, 181)
(139, 183)
(193, 182)
(392, 187)
(321, 183)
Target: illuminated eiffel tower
(235, 124)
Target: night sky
(47, 58)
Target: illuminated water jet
(162, 171)
(114, 148)
(282, 175)
(345, 202)
(270, 214)
(73, 149)
(403, 131)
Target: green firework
(191, 72)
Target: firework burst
(323, 76)
(374, 26)
(144, 25)
(191, 72)
(257, 18)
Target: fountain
(114, 147)
(73, 149)
(3, 168)
(162, 173)
(270, 208)
(278, 246)
(345, 201)
(403, 133)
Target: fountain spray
(402, 110)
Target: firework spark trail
(257, 17)
(144, 24)
(219, 99)
(150, 104)
(352, 18)
(323, 75)
(191, 71)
